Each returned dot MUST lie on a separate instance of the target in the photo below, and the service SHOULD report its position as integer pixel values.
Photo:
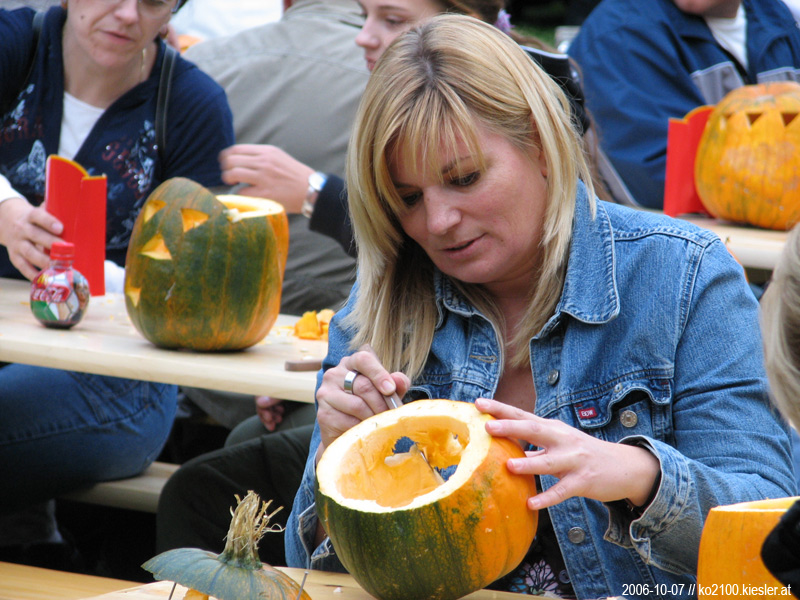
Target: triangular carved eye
(151, 208)
(134, 293)
(192, 218)
(156, 248)
(788, 118)
(753, 117)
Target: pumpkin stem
(249, 523)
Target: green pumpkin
(201, 274)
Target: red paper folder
(683, 137)
(78, 200)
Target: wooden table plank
(20, 582)
(106, 343)
(753, 247)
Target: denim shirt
(655, 341)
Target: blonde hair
(435, 86)
(780, 321)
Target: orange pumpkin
(729, 564)
(747, 167)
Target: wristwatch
(316, 181)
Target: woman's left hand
(584, 465)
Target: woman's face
(387, 19)
(112, 33)
(481, 227)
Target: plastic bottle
(59, 293)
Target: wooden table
(106, 343)
(28, 583)
(753, 247)
(18, 582)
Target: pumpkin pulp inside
(375, 471)
(246, 207)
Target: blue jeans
(61, 430)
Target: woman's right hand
(338, 410)
(27, 232)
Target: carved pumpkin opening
(156, 248)
(388, 467)
(192, 218)
(134, 293)
(753, 117)
(151, 208)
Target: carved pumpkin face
(747, 167)
(202, 272)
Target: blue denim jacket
(655, 341)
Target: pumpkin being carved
(399, 531)
(205, 272)
(747, 167)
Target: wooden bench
(136, 493)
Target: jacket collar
(590, 290)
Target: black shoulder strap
(164, 86)
(38, 19)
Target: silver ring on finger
(348, 381)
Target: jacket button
(552, 377)
(576, 535)
(628, 418)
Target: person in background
(780, 321)
(295, 85)
(643, 63)
(209, 19)
(90, 96)
(273, 172)
(593, 332)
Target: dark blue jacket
(122, 143)
(644, 62)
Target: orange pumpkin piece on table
(747, 167)
(313, 325)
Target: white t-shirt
(76, 123)
(731, 34)
(794, 6)
(208, 19)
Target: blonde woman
(780, 319)
(622, 347)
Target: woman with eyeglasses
(87, 90)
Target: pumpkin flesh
(400, 533)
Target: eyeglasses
(152, 8)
